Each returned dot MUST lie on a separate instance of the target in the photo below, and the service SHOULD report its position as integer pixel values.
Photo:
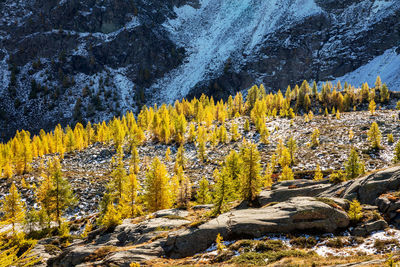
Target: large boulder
(285, 190)
(299, 213)
(368, 188)
(128, 234)
(389, 206)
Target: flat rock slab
(171, 212)
(367, 189)
(299, 213)
(285, 190)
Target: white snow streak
(387, 66)
(219, 30)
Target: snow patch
(386, 65)
(220, 30)
(367, 247)
(4, 73)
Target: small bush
(355, 211)
(385, 246)
(303, 242)
(52, 249)
(269, 245)
(337, 177)
(335, 243)
(258, 259)
(100, 253)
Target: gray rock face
(390, 206)
(119, 49)
(300, 213)
(367, 189)
(125, 234)
(171, 212)
(283, 191)
(370, 227)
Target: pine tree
(315, 138)
(201, 143)
(318, 176)
(45, 197)
(268, 176)
(26, 150)
(250, 176)
(223, 190)
(180, 129)
(355, 211)
(374, 136)
(60, 193)
(233, 164)
(185, 189)
(220, 243)
(354, 167)
(246, 126)
(69, 142)
(396, 158)
(135, 159)
(203, 193)
(292, 146)
(180, 160)
(337, 114)
(287, 174)
(13, 209)
(130, 206)
(234, 132)
(31, 221)
(264, 134)
(351, 135)
(222, 134)
(390, 138)
(111, 217)
(168, 154)
(384, 93)
(8, 171)
(118, 177)
(285, 159)
(372, 107)
(157, 188)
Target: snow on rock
(386, 65)
(4, 73)
(220, 30)
(366, 247)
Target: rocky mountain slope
(281, 232)
(71, 60)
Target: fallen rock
(389, 205)
(139, 255)
(126, 234)
(170, 213)
(285, 190)
(299, 213)
(368, 188)
(369, 227)
(143, 232)
(203, 207)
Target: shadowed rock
(300, 213)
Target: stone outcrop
(296, 214)
(285, 190)
(123, 48)
(367, 189)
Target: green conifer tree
(250, 181)
(157, 187)
(354, 167)
(13, 209)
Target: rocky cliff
(71, 60)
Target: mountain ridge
(116, 56)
